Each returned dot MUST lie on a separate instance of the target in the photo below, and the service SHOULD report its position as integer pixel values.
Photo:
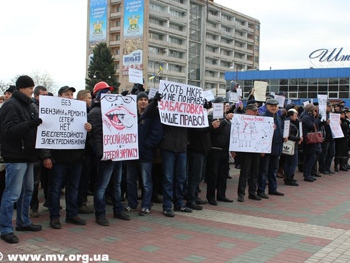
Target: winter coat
(277, 138)
(150, 134)
(18, 132)
(309, 121)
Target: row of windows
(304, 88)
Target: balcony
(169, 30)
(214, 18)
(116, 15)
(115, 29)
(159, 14)
(174, 3)
(114, 43)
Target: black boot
(343, 165)
(336, 164)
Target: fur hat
(24, 82)
(309, 107)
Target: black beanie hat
(141, 95)
(24, 82)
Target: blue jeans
(326, 156)
(106, 171)
(196, 169)
(19, 188)
(134, 168)
(174, 178)
(268, 169)
(290, 164)
(68, 175)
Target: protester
(150, 134)
(106, 169)
(218, 167)
(291, 161)
(310, 124)
(66, 168)
(269, 162)
(19, 122)
(249, 167)
(38, 167)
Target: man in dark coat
(19, 122)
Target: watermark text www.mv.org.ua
(82, 258)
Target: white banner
(119, 118)
(208, 95)
(218, 110)
(182, 105)
(63, 123)
(251, 133)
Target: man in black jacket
(18, 122)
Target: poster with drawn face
(251, 133)
(119, 119)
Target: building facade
(186, 41)
(297, 83)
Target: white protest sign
(218, 110)
(119, 118)
(152, 93)
(281, 100)
(260, 90)
(301, 129)
(239, 92)
(233, 96)
(135, 75)
(251, 133)
(63, 123)
(322, 106)
(182, 105)
(208, 95)
(334, 124)
(286, 128)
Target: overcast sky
(50, 35)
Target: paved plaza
(309, 224)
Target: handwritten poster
(182, 105)
(260, 90)
(63, 123)
(119, 118)
(334, 124)
(251, 133)
(218, 110)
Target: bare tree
(40, 78)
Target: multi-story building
(186, 41)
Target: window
(175, 40)
(155, 36)
(175, 54)
(177, 13)
(156, 7)
(175, 68)
(226, 17)
(155, 21)
(176, 27)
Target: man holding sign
(66, 165)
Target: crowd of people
(173, 161)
